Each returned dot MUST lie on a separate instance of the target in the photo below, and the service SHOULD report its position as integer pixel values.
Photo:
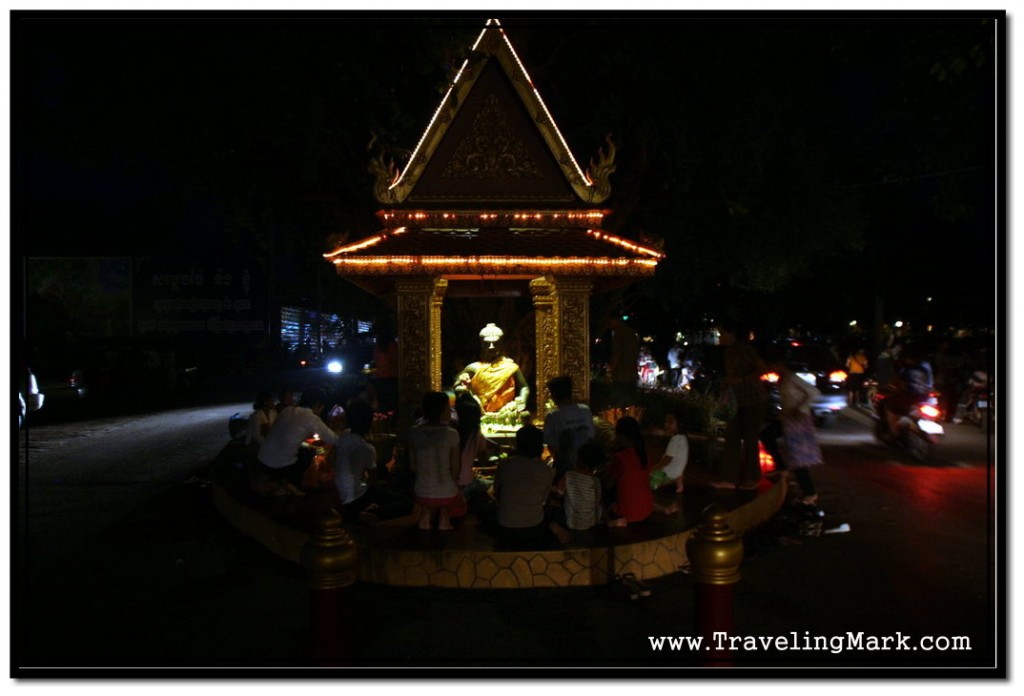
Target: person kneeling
(630, 474)
(522, 486)
(355, 472)
(435, 461)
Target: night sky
(847, 155)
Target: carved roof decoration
(493, 141)
(491, 196)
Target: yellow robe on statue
(494, 384)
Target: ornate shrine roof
(415, 251)
(492, 191)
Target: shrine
(491, 203)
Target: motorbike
(975, 404)
(917, 431)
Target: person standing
(856, 372)
(741, 466)
(675, 366)
(567, 426)
(800, 448)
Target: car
(63, 385)
(815, 364)
(30, 398)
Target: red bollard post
(330, 557)
(715, 553)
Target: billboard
(187, 297)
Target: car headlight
(837, 377)
(334, 367)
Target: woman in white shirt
(279, 453)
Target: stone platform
(397, 553)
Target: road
(123, 562)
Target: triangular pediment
(493, 141)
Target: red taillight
(766, 460)
(929, 411)
(770, 377)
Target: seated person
(495, 380)
(355, 472)
(567, 426)
(522, 485)
(473, 446)
(434, 461)
(256, 428)
(280, 456)
(630, 474)
(285, 398)
(263, 416)
(580, 493)
(672, 464)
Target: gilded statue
(495, 380)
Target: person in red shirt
(634, 500)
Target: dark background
(803, 169)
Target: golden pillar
(545, 307)
(714, 549)
(574, 329)
(562, 309)
(419, 340)
(715, 552)
(330, 559)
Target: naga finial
(384, 171)
(600, 171)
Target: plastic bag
(658, 479)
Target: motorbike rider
(910, 387)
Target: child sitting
(580, 492)
(672, 464)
